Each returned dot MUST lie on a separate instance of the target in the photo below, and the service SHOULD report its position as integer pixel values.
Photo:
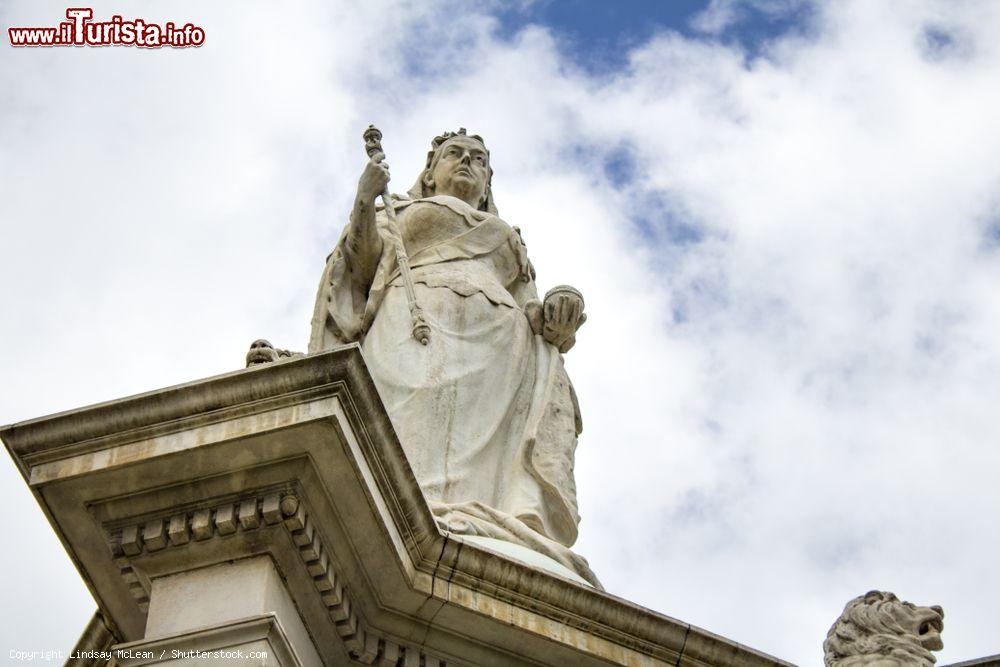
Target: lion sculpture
(878, 630)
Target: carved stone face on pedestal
(879, 630)
(261, 352)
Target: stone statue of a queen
(484, 411)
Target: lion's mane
(867, 629)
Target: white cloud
(716, 17)
(790, 407)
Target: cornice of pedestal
(255, 513)
(298, 460)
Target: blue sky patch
(619, 167)
(938, 43)
(598, 36)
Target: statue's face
(462, 170)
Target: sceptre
(422, 332)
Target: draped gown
(485, 412)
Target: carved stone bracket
(363, 643)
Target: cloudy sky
(785, 218)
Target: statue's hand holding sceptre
(363, 242)
(374, 179)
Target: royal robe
(485, 412)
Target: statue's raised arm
(362, 243)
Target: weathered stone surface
(988, 661)
(201, 524)
(878, 630)
(249, 519)
(95, 640)
(223, 593)
(178, 530)
(256, 641)
(153, 535)
(225, 520)
(131, 540)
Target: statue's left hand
(563, 315)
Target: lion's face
(924, 623)
(879, 629)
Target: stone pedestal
(238, 610)
(270, 514)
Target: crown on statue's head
(445, 136)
